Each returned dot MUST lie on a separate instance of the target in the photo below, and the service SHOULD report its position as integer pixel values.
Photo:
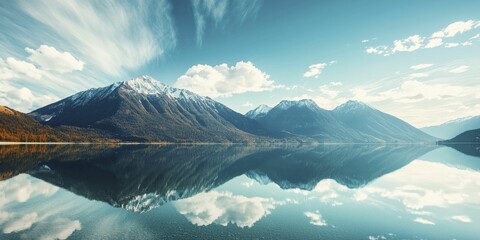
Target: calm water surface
(239, 192)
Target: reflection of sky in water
(425, 199)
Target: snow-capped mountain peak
(351, 105)
(286, 104)
(146, 85)
(258, 111)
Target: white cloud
(434, 42)
(454, 28)
(460, 69)
(220, 12)
(5, 71)
(423, 221)
(22, 99)
(416, 42)
(419, 75)
(409, 44)
(24, 68)
(222, 80)
(462, 218)
(315, 218)
(50, 59)
(380, 50)
(421, 66)
(112, 36)
(336, 83)
(315, 70)
(223, 208)
(452, 45)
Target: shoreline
(218, 143)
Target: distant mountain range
(352, 121)
(453, 128)
(146, 110)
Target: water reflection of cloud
(327, 191)
(425, 184)
(423, 221)
(223, 208)
(57, 228)
(21, 189)
(462, 218)
(40, 224)
(17, 222)
(315, 218)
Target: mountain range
(145, 110)
(352, 121)
(453, 128)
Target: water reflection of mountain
(141, 177)
(350, 165)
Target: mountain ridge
(352, 121)
(453, 128)
(158, 113)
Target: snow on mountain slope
(258, 112)
(308, 103)
(351, 105)
(453, 128)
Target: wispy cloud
(423, 221)
(315, 70)
(220, 12)
(111, 35)
(460, 69)
(437, 39)
(74, 45)
(421, 66)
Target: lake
(239, 192)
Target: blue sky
(417, 60)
